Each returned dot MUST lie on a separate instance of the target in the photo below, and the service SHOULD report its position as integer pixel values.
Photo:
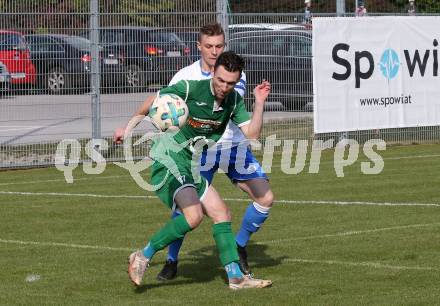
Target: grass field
(361, 239)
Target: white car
(244, 27)
(5, 77)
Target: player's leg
(209, 162)
(255, 215)
(184, 193)
(214, 207)
(258, 211)
(250, 177)
(169, 269)
(217, 210)
(188, 201)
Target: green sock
(225, 241)
(174, 229)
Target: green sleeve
(240, 116)
(180, 89)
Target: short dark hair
(211, 29)
(231, 61)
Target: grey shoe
(137, 264)
(248, 282)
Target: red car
(14, 53)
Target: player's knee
(194, 218)
(267, 199)
(222, 216)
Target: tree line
(69, 16)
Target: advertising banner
(376, 72)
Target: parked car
(244, 27)
(5, 78)
(152, 55)
(14, 54)
(282, 57)
(190, 39)
(63, 63)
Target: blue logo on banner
(389, 64)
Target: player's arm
(145, 107)
(252, 130)
(179, 89)
(138, 116)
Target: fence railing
(77, 70)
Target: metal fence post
(222, 16)
(95, 71)
(340, 7)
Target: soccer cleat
(248, 282)
(244, 266)
(137, 264)
(168, 271)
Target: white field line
(349, 233)
(89, 195)
(298, 202)
(320, 202)
(374, 265)
(341, 234)
(287, 260)
(119, 176)
(67, 245)
(366, 160)
(411, 157)
(63, 180)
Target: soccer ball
(168, 111)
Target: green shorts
(172, 183)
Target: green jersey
(176, 160)
(206, 118)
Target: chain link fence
(79, 69)
(333, 6)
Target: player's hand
(118, 135)
(261, 92)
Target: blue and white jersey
(233, 134)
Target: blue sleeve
(240, 87)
